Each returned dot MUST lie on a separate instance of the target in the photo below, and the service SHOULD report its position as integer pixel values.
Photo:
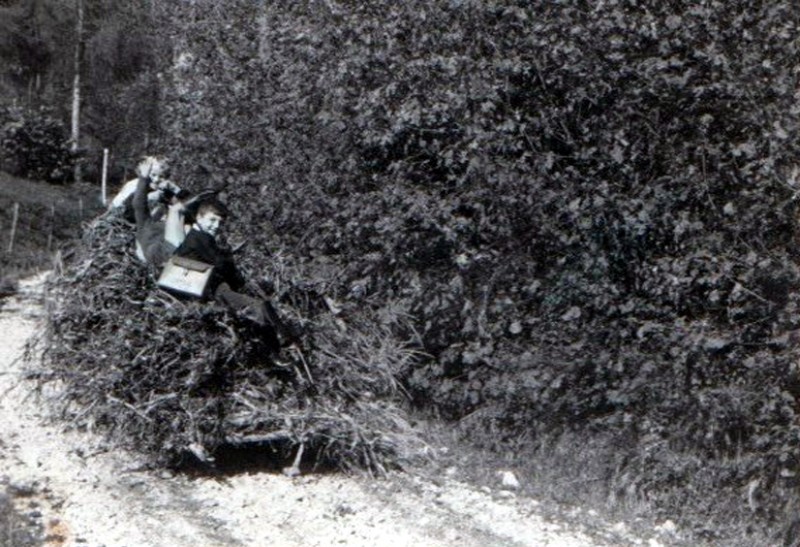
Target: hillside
(49, 219)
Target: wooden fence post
(52, 226)
(13, 227)
(105, 177)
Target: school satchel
(185, 276)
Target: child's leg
(140, 209)
(255, 308)
(151, 239)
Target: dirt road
(87, 495)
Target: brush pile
(172, 378)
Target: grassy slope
(47, 214)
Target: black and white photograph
(399, 273)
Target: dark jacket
(201, 246)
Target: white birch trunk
(76, 88)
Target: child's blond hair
(152, 166)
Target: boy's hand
(168, 189)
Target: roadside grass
(638, 484)
(16, 529)
(49, 218)
(593, 480)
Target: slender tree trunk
(76, 89)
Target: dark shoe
(289, 334)
(270, 339)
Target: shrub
(35, 145)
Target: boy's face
(209, 222)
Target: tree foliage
(34, 144)
(588, 208)
(119, 86)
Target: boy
(226, 280)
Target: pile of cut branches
(172, 378)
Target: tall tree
(76, 86)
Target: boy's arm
(238, 278)
(173, 227)
(228, 270)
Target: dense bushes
(590, 211)
(34, 144)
